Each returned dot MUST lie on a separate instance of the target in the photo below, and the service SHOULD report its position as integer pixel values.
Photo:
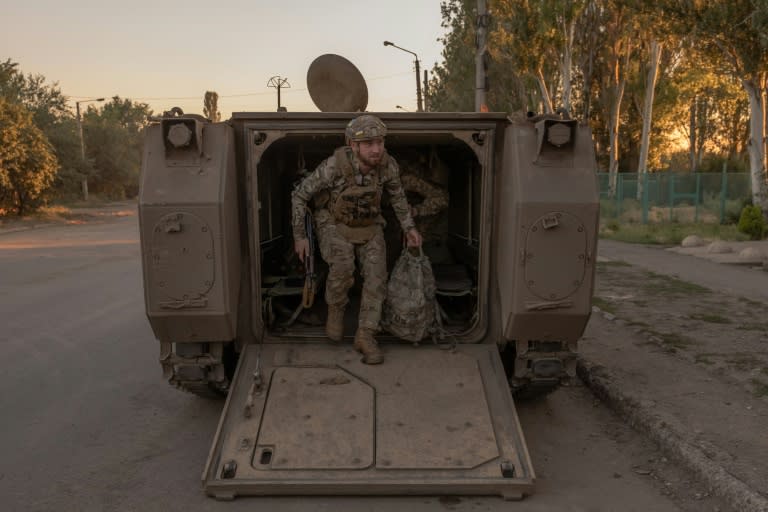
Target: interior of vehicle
(451, 236)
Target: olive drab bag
(410, 311)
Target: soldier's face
(370, 152)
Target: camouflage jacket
(434, 197)
(328, 176)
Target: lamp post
(418, 72)
(82, 143)
(402, 108)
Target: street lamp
(418, 81)
(402, 108)
(82, 143)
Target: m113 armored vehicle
(226, 297)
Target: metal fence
(675, 197)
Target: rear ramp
(308, 419)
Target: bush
(752, 223)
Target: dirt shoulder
(64, 216)
(685, 342)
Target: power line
(381, 77)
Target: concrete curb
(675, 442)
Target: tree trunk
(545, 97)
(619, 84)
(692, 136)
(765, 124)
(756, 145)
(566, 64)
(613, 136)
(703, 130)
(650, 87)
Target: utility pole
(84, 183)
(483, 19)
(278, 83)
(419, 105)
(426, 93)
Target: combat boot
(366, 344)
(334, 324)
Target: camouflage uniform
(428, 200)
(338, 243)
(434, 200)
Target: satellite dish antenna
(336, 85)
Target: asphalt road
(88, 423)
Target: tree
(114, 141)
(52, 116)
(451, 88)
(211, 106)
(27, 162)
(615, 60)
(599, 57)
(647, 112)
(527, 39)
(735, 32)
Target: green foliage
(760, 388)
(211, 106)
(50, 114)
(709, 49)
(451, 88)
(604, 305)
(669, 233)
(752, 222)
(113, 142)
(41, 157)
(27, 162)
(663, 285)
(711, 318)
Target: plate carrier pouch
(357, 208)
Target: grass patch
(744, 362)
(759, 388)
(712, 319)
(704, 359)
(753, 327)
(612, 263)
(751, 302)
(52, 214)
(659, 284)
(604, 305)
(675, 340)
(94, 201)
(672, 340)
(669, 233)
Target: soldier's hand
(302, 248)
(413, 238)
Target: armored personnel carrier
(228, 301)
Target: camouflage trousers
(340, 255)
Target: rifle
(310, 278)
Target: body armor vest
(356, 205)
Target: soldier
(350, 224)
(428, 199)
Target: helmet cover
(365, 127)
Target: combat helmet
(365, 127)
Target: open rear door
(306, 419)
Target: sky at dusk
(168, 53)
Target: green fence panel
(674, 197)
